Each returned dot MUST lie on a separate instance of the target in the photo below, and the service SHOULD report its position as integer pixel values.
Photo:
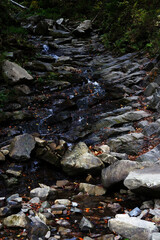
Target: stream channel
(77, 84)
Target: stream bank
(80, 115)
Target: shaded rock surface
(117, 172)
(21, 147)
(14, 73)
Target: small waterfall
(41, 123)
(46, 51)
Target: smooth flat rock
(146, 180)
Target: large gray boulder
(80, 160)
(117, 172)
(132, 227)
(13, 73)
(128, 143)
(21, 147)
(144, 181)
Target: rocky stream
(79, 139)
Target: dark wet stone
(21, 147)
(38, 229)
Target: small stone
(58, 207)
(92, 189)
(14, 197)
(135, 212)
(147, 205)
(63, 222)
(65, 202)
(85, 224)
(15, 170)
(48, 234)
(75, 210)
(115, 207)
(156, 219)
(61, 183)
(11, 181)
(57, 212)
(143, 214)
(45, 205)
(1, 226)
(38, 228)
(63, 231)
(156, 203)
(42, 193)
(105, 148)
(74, 204)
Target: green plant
(14, 30)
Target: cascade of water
(46, 51)
(41, 123)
